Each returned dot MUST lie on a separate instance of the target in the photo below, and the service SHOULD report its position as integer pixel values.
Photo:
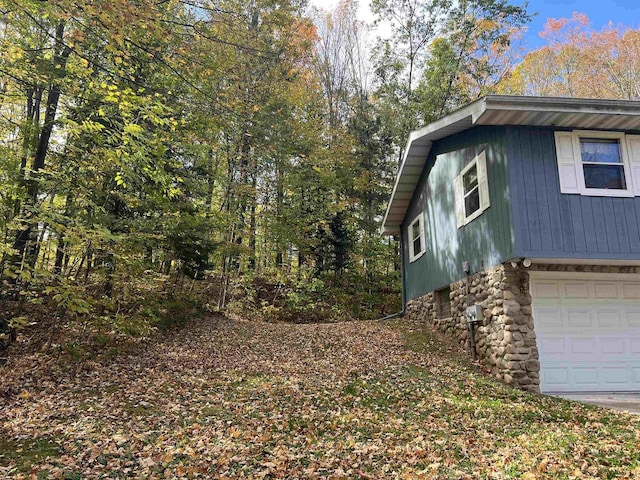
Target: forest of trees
(162, 155)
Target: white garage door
(588, 331)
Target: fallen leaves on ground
(226, 398)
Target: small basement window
(417, 245)
(443, 302)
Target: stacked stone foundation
(505, 340)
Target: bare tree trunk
(89, 262)
(22, 240)
(60, 249)
(38, 246)
(57, 267)
(212, 178)
(224, 283)
(252, 227)
(279, 208)
(110, 263)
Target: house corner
(504, 338)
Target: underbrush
(77, 316)
(316, 299)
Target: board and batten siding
(550, 224)
(485, 241)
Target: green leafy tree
(441, 54)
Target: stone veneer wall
(505, 338)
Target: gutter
(404, 289)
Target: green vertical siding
(486, 241)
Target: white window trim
(480, 162)
(413, 256)
(570, 165)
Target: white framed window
(598, 163)
(417, 244)
(472, 190)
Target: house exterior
(522, 215)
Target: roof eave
(560, 112)
(418, 147)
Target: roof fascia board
(473, 111)
(561, 105)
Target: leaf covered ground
(224, 398)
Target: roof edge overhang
(559, 112)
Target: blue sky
(600, 12)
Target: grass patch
(420, 340)
(25, 452)
(142, 409)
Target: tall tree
(400, 59)
(473, 54)
(440, 55)
(184, 138)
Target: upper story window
(472, 190)
(598, 163)
(602, 163)
(417, 244)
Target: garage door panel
(608, 318)
(579, 318)
(543, 290)
(585, 376)
(551, 317)
(588, 333)
(616, 376)
(552, 348)
(576, 290)
(631, 291)
(608, 290)
(581, 346)
(613, 346)
(557, 377)
(633, 317)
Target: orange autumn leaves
(579, 61)
(234, 399)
